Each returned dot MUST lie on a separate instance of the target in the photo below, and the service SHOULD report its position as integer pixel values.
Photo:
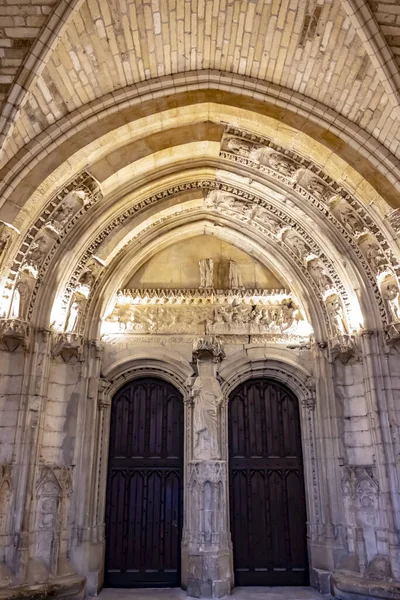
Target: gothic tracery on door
(267, 498)
(145, 483)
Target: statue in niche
(74, 316)
(206, 272)
(235, 276)
(207, 397)
(336, 316)
(375, 258)
(20, 301)
(319, 189)
(239, 146)
(323, 281)
(283, 165)
(351, 221)
(37, 251)
(391, 296)
(298, 246)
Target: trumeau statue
(207, 397)
(206, 272)
(235, 276)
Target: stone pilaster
(206, 547)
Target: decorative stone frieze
(215, 312)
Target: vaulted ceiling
(140, 97)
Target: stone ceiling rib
(376, 47)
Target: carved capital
(14, 333)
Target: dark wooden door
(267, 499)
(145, 486)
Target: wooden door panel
(145, 486)
(267, 498)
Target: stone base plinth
(209, 574)
(71, 587)
(351, 586)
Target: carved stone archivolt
(43, 238)
(340, 207)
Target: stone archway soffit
(376, 47)
(292, 113)
(34, 64)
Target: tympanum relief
(232, 311)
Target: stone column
(206, 546)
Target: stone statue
(375, 258)
(351, 221)
(235, 276)
(239, 146)
(336, 316)
(298, 246)
(37, 251)
(322, 280)
(206, 272)
(391, 296)
(207, 397)
(74, 316)
(20, 301)
(283, 165)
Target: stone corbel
(344, 347)
(14, 333)
(67, 345)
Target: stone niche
(178, 266)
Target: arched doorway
(145, 486)
(267, 497)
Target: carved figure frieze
(206, 273)
(347, 216)
(220, 313)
